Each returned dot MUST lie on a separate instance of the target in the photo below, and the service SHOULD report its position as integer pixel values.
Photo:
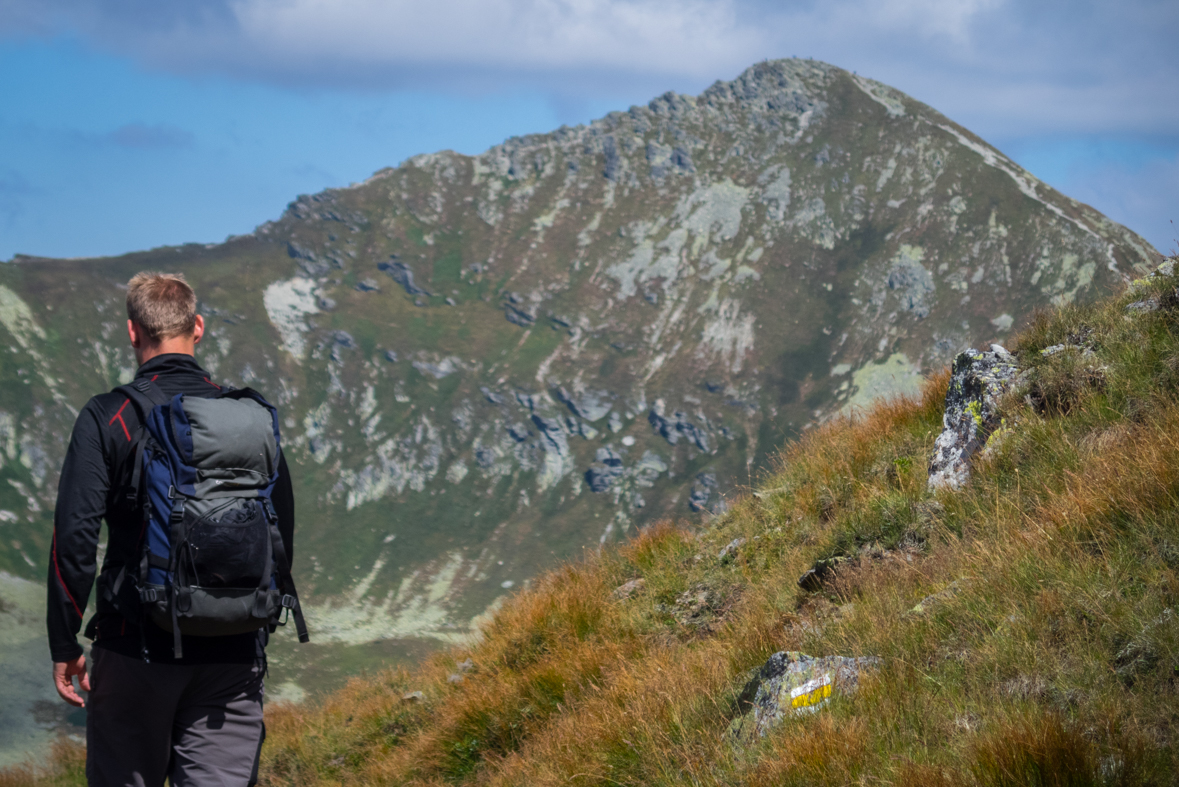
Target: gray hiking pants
(198, 725)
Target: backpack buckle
(288, 601)
(148, 595)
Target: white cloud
(998, 66)
(929, 18)
(663, 36)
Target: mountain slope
(1023, 627)
(1017, 631)
(487, 363)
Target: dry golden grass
(66, 767)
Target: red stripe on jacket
(57, 570)
(119, 417)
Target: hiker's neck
(145, 349)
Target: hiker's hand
(63, 680)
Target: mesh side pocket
(231, 551)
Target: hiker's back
(212, 562)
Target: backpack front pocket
(229, 548)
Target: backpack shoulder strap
(145, 395)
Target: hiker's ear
(135, 333)
(198, 329)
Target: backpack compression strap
(290, 598)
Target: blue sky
(128, 124)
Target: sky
(131, 124)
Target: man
(196, 720)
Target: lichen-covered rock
(977, 381)
(791, 683)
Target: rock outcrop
(977, 381)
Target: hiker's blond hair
(162, 304)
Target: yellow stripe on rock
(813, 692)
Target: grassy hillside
(1052, 659)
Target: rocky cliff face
(484, 363)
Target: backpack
(212, 561)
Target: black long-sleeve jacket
(94, 478)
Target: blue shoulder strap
(145, 395)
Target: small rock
(790, 684)
(625, 591)
(935, 600)
(592, 405)
(729, 553)
(601, 478)
(698, 498)
(390, 356)
(413, 696)
(608, 456)
(368, 285)
(518, 316)
(695, 606)
(814, 578)
(454, 678)
(466, 666)
(403, 275)
(1143, 306)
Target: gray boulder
(678, 425)
(402, 274)
(592, 405)
(793, 683)
(977, 382)
(554, 434)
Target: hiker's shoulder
(106, 404)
